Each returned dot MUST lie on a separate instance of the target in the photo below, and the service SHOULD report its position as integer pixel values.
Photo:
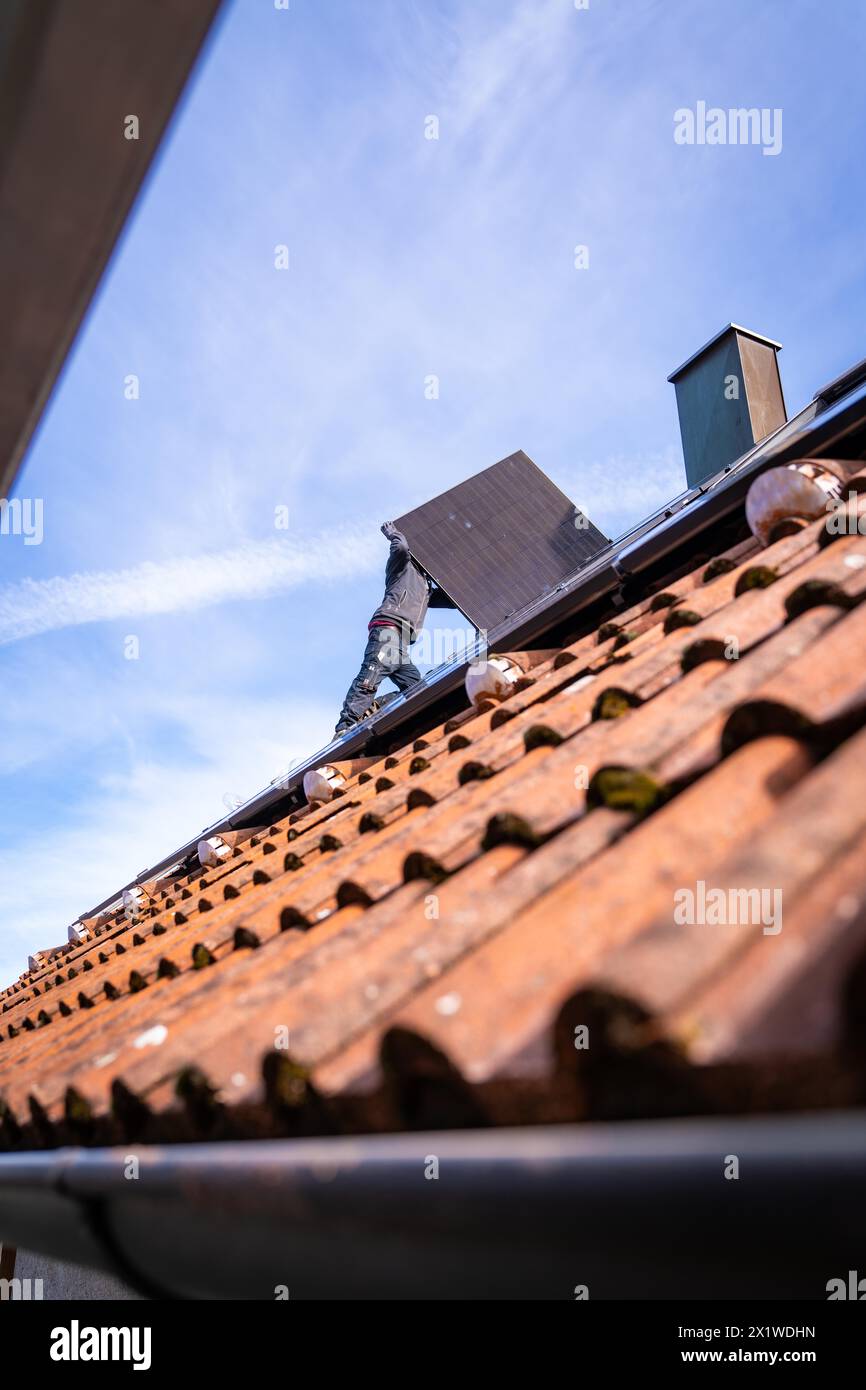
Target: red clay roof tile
(422, 946)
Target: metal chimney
(729, 396)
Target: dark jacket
(408, 591)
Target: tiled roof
(429, 946)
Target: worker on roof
(392, 629)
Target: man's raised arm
(397, 539)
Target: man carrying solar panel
(392, 629)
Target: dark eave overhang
(71, 72)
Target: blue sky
(305, 388)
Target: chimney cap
(728, 328)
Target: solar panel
(500, 539)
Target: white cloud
(142, 813)
(619, 491)
(255, 570)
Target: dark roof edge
(841, 385)
(630, 1209)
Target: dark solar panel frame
(500, 539)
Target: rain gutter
(734, 1208)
